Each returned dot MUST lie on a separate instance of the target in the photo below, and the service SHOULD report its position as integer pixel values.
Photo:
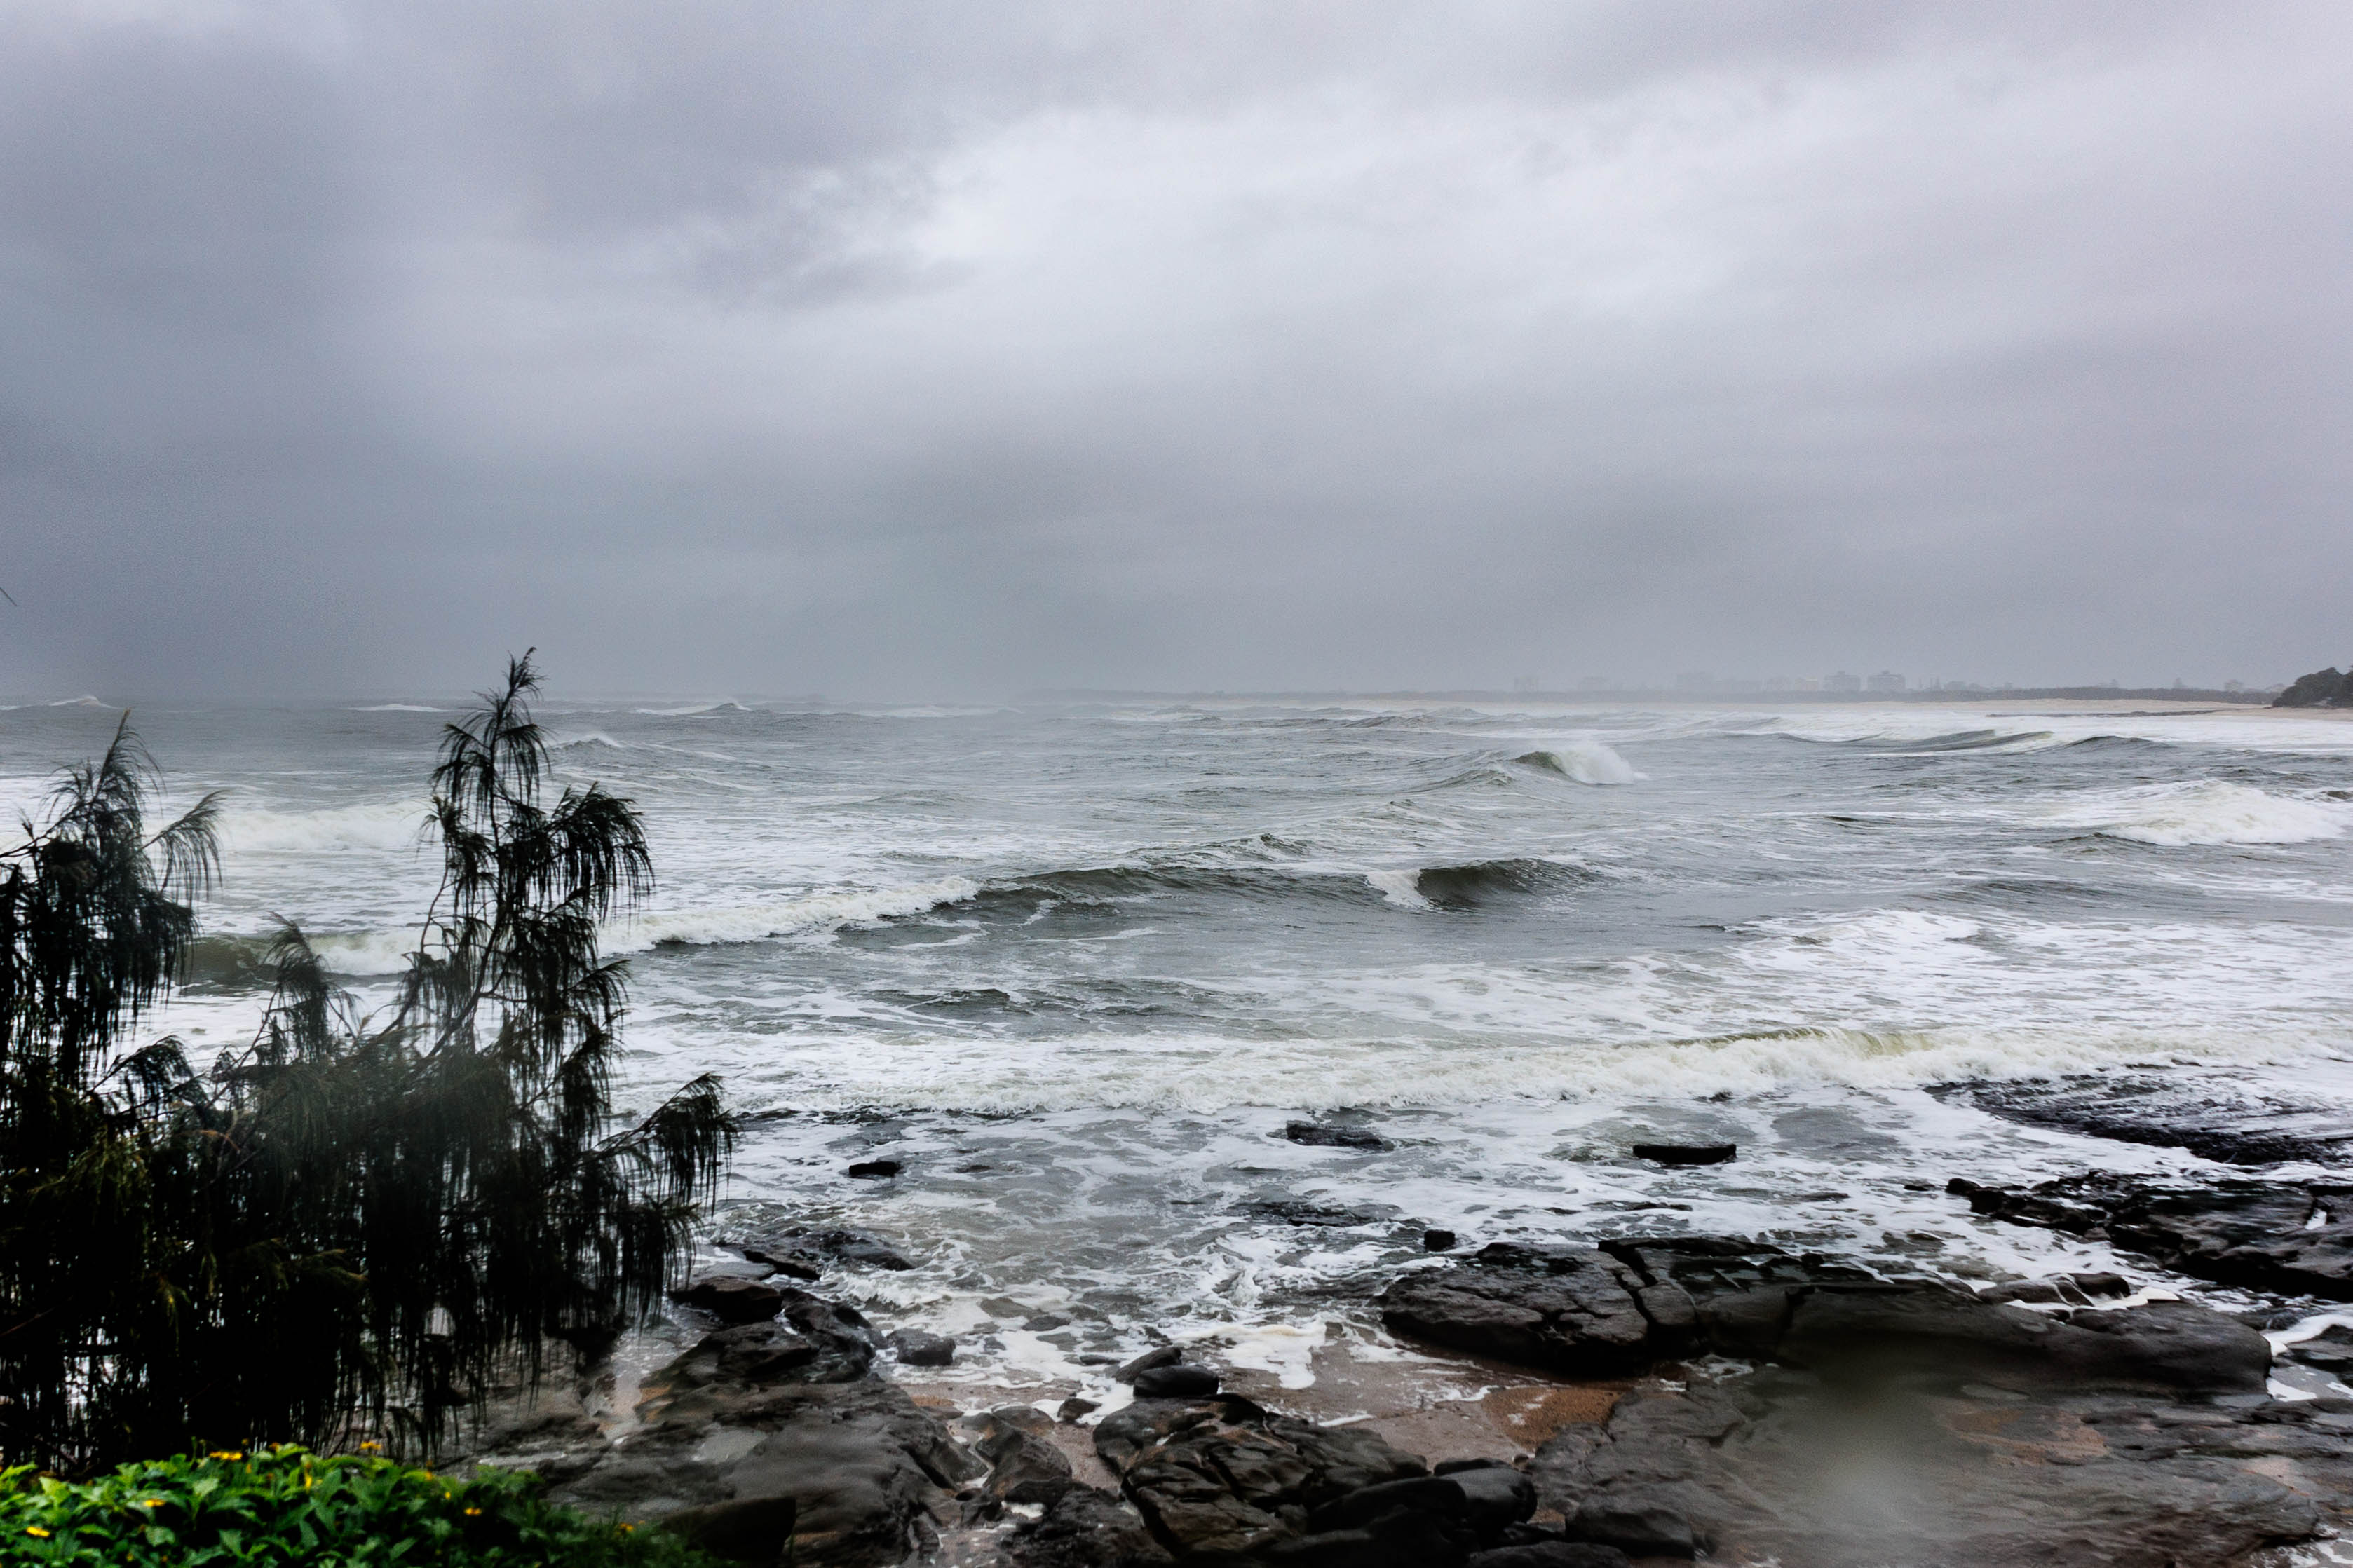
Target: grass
(287, 1505)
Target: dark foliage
(355, 1222)
(2329, 688)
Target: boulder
(914, 1347)
(732, 1298)
(1160, 1355)
(875, 1170)
(1222, 1477)
(1024, 1466)
(1494, 1495)
(1177, 1382)
(1570, 1310)
(1085, 1527)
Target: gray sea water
(1076, 966)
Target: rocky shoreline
(1720, 1398)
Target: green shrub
(287, 1505)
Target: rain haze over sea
(1076, 966)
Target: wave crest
(2214, 812)
(1587, 761)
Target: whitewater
(1076, 966)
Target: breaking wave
(2179, 815)
(1476, 884)
(1588, 763)
(790, 917)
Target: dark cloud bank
(955, 350)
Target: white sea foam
(83, 701)
(399, 707)
(2214, 812)
(1399, 886)
(696, 708)
(375, 825)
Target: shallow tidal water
(1075, 967)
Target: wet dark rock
(1685, 1154)
(1569, 1310)
(1494, 1495)
(732, 1298)
(1549, 1554)
(2199, 1114)
(1086, 1528)
(802, 1266)
(1440, 1495)
(1071, 1409)
(1438, 1241)
(1322, 1135)
(1024, 1467)
(1617, 1309)
(1405, 1538)
(1828, 1475)
(917, 1348)
(1161, 1355)
(1222, 1477)
(750, 1530)
(844, 1246)
(1643, 1523)
(1180, 1381)
(1044, 1323)
(2289, 1237)
(764, 1442)
(875, 1170)
(1295, 1211)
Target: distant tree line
(352, 1224)
(2329, 688)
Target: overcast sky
(921, 350)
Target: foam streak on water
(1076, 966)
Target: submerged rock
(2200, 1113)
(916, 1347)
(732, 1298)
(1324, 1135)
(1685, 1154)
(808, 1246)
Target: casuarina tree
(362, 1221)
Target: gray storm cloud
(946, 349)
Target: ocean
(1076, 967)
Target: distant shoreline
(2079, 699)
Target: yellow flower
(370, 1446)
(223, 1454)
(473, 1513)
(36, 1529)
(627, 1528)
(152, 1502)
